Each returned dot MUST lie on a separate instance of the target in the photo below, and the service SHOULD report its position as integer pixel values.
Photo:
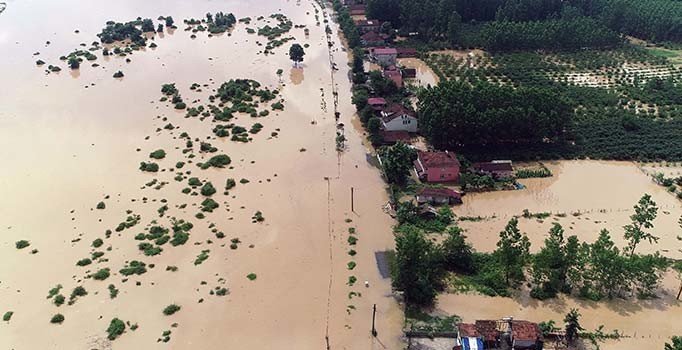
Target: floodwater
(425, 76)
(603, 193)
(70, 139)
(584, 197)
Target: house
(500, 334)
(392, 137)
(395, 76)
(396, 117)
(373, 38)
(376, 103)
(406, 52)
(369, 25)
(357, 10)
(497, 168)
(384, 56)
(438, 196)
(437, 166)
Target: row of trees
(563, 265)
(440, 20)
(458, 114)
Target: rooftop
(438, 159)
(434, 192)
(385, 51)
(395, 110)
(493, 166)
(373, 101)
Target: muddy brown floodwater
(69, 139)
(603, 193)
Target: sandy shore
(66, 147)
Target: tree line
(592, 271)
(590, 23)
(457, 114)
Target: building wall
(442, 174)
(404, 123)
(385, 60)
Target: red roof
(524, 330)
(406, 52)
(376, 101)
(394, 136)
(373, 37)
(438, 159)
(439, 192)
(357, 9)
(395, 110)
(385, 51)
(487, 329)
(395, 76)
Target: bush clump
(149, 167)
(134, 268)
(118, 74)
(208, 189)
(58, 319)
(158, 154)
(102, 274)
(218, 161)
(116, 328)
(22, 244)
(171, 309)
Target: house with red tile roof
(437, 166)
(395, 76)
(395, 117)
(377, 103)
(392, 137)
(357, 10)
(497, 168)
(373, 39)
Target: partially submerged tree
(397, 161)
(645, 213)
(512, 251)
(296, 54)
(572, 321)
(417, 271)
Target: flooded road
(74, 138)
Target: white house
(398, 118)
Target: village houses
(396, 117)
(437, 166)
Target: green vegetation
(101, 205)
(158, 154)
(171, 309)
(7, 316)
(97, 243)
(113, 291)
(296, 53)
(397, 161)
(201, 257)
(22, 244)
(58, 319)
(252, 276)
(208, 205)
(84, 262)
(133, 268)
(591, 271)
(102, 274)
(207, 189)
(149, 167)
(115, 329)
(219, 161)
(118, 74)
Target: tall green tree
(417, 270)
(572, 321)
(553, 264)
(296, 53)
(642, 219)
(512, 252)
(457, 252)
(397, 161)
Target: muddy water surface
(70, 139)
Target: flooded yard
(583, 196)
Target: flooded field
(73, 138)
(583, 196)
(594, 195)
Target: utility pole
(352, 204)
(374, 315)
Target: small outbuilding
(438, 196)
(497, 168)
